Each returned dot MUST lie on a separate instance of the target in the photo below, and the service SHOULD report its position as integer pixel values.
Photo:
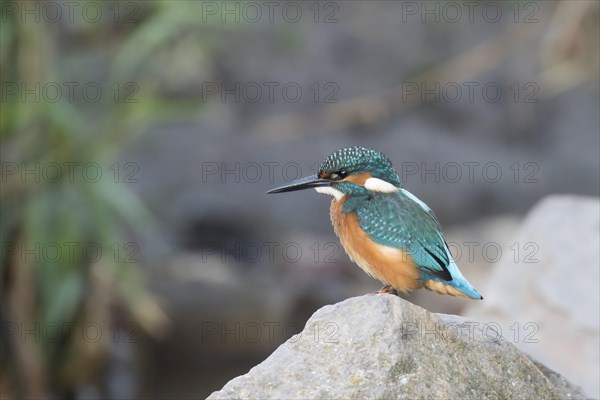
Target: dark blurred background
(140, 254)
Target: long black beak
(303, 183)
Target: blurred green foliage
(131, 57)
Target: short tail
(452, 288)
(458, 286)
(468, 289)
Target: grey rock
(553, 286)
(383, 347)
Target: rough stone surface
(382, 347)
(546, 296)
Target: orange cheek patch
(390, 265)
(358, 179)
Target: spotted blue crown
(360, 159)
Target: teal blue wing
(396, 220)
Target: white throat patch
(330, 191)
(379, 185)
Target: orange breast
(391, 266)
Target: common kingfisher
(391, 234)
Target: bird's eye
(336, 176)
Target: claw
(387, 289)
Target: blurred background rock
(184, 273)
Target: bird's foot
(387, 289)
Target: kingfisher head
(351, 171)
